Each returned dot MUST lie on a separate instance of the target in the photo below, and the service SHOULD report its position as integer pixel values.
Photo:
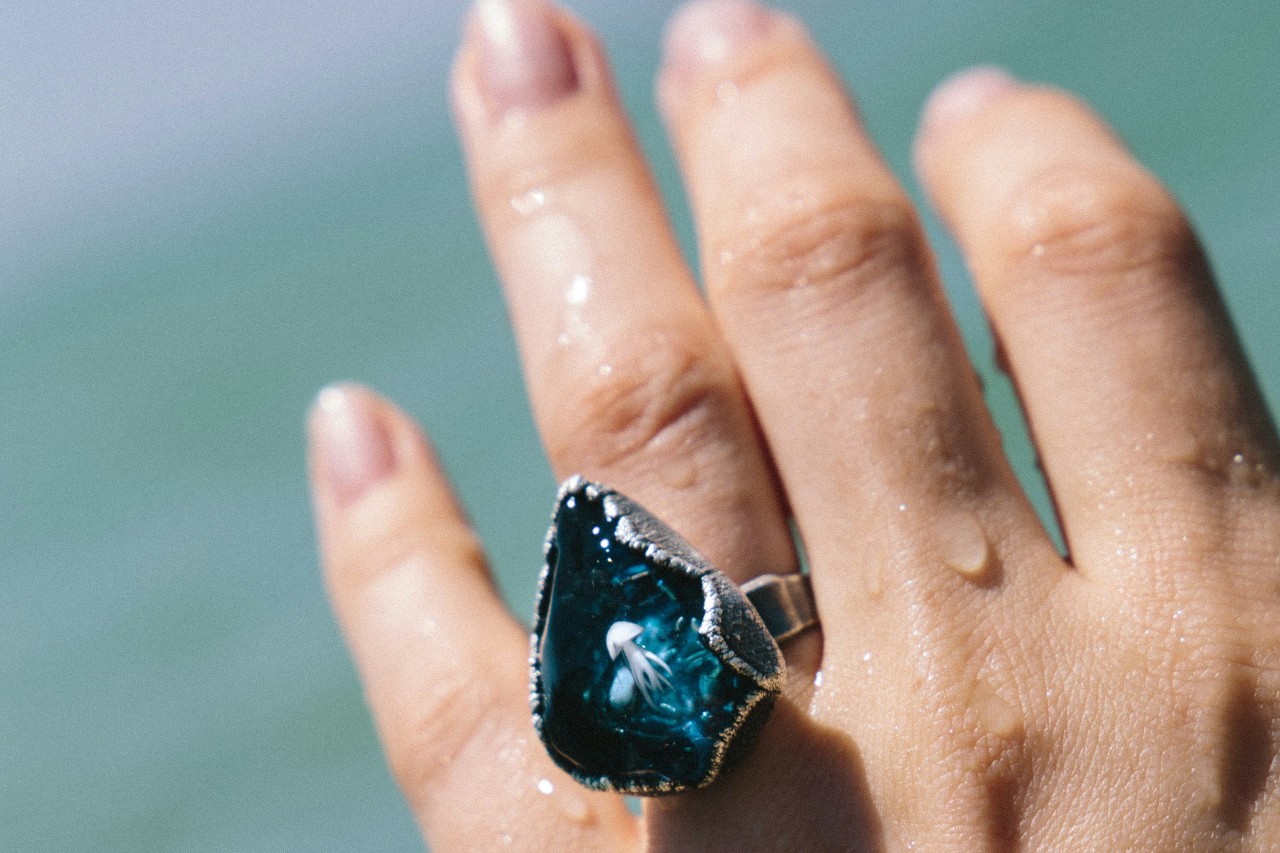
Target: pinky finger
(442, 661)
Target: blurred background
(209, 210)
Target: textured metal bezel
(758, 657)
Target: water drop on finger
(963, 544)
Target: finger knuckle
(820, 235)
(652, 390)
(1094, 223)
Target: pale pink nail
(524, 60)
(962, 95)
(353, 446)
(705, 33)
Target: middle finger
(923, 550)
(818, 271)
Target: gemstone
(650, 670)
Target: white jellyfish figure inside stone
(643, 669)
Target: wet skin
(971, 689)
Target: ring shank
(784, 602)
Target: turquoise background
(207, 211)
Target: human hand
(977, 691)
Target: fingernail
(353, 446)
(523, 58)
(705, 33)
(962, 95)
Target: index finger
(442, 662)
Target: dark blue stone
(653, 711)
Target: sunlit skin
(970, 689)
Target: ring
(650, 671)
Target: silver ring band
(784, 602)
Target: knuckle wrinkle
(648, 388)
(1094, 222)
(820, 240)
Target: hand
(977, 692)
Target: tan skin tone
(1127, 699)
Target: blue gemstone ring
(651, 672)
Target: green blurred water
(170, 678)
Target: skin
(1125, 698)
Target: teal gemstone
(651, 671)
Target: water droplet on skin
(995, 714)
(1243, 472)
(902, 507)
(1038, 250)
(963, 544)
(569, 802)
(605, 369)
(726, 257)
(579, 289)
(529, 202)
(817, 678)
(1207, 767)
(1207, 775)
(866, 657)
(506, 840)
